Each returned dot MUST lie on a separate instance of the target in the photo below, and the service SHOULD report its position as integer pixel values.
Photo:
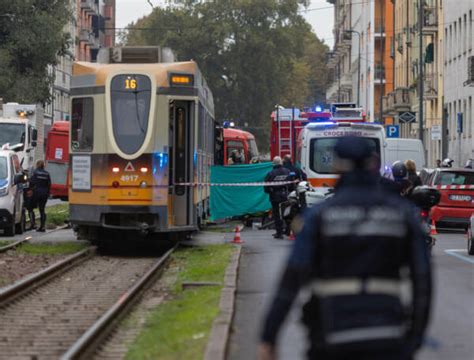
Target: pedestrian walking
(349, 256)
(41, 182)
(278, 193)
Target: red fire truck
(287, 124)
(57, 158)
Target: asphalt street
(451, 330)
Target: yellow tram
(142, 132)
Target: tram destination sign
(407, 117)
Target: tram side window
(82, 124)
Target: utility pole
(421, 85)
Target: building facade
(459, 79)
(93, 28)
(405, 49)
(361, 61)
(340, 62)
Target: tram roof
(87, 74)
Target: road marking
(454, 252)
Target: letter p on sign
(393, 131)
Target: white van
(12, 216)
(405, 149)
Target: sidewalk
(261, 264)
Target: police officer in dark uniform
(41, 182)
(349, 256)
(278, 194)
(299, 174)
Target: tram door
(182, 113)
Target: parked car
(457, 197)
(12, 216)
(470, 236)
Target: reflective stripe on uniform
(353, 286)
(365, 334)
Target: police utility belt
(376, 318)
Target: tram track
(69, 311)
(13, 245)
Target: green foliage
(65, 248)
(31, 37)
(179, 328)
(253, 53)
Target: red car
(457, 197)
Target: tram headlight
(115, 169)
(143, 184)
(144, 169)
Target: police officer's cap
(353, 148)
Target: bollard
(237, 239)
(433, 228)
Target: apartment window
(469, 43)
(464, 35)
(469, 117)
(450, 53)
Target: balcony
(379, 74)
(379, 28)
(430, 23)
(86, 36)
(431, 86)
(402, 99)
(90, 6)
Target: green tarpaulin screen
(227, 201)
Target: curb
(216, 348)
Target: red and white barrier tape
(264, 183)
(455, 187)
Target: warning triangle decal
(129, 167)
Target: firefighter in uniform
(41, 182)
(350, 255)
(278, 194)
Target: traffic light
(429, 55)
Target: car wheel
(10, 229)
(470, 242)
(20, 227)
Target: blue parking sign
(393, 131)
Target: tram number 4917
(129, 178)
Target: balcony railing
(379, 27)
(430, 17)
(379, 73)
(402, 99)
(431, 86)
(89, 6)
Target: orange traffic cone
(292, 236)
(433, 228)
(237, 239)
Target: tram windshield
(130, 97)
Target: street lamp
(349, 32)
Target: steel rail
(13, 245)
(88, 343)
(31, 282)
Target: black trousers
(277, 217)
(41, 200)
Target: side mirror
(34, 136)
(34, 143)
(20, 179)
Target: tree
(253, 53)
(31, 37)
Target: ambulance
(316, 152)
